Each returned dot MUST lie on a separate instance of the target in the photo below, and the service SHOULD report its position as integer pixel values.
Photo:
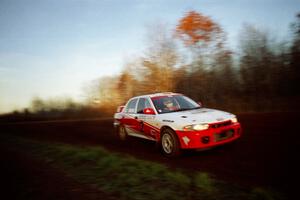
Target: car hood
(202, 115)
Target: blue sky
(51, 48)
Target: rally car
(175, 122)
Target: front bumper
(211, 137)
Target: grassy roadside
(125, 177)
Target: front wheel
(169, 143)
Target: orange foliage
(195, 27)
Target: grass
(126, 177)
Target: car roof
(158, 94)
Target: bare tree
(295, 57)
(154, 70)
(257, 65)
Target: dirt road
(264, 156)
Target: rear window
(130, 108)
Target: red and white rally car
(176, 122)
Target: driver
(168, 105)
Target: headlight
(234, 120)
(196, 127)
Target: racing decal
(137, 126)
(139, 120)
(135, 133)
(186, 140)
(166, 120)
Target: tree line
(193, 58)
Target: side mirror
(149, 111)
(200, 103)
(120, 109)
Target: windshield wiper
(184, 109)
(181, 109)
(198, 107)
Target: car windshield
(173, 103)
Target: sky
(53, 48)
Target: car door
(130, 118)
(145, 121)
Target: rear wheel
(169, 143)
(122, 134)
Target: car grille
(221, 124)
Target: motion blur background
(75, 59)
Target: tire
(121, 133)
(169, 143)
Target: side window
(130, 108)
(143, 103)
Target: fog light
(205, 139)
